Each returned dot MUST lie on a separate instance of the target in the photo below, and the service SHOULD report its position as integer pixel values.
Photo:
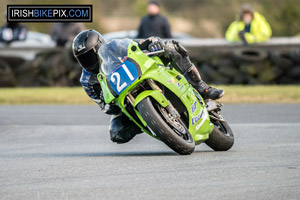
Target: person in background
(154, 24)
(12, 31)
(251, 27)
(63, 32)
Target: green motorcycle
(161, 101)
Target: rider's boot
(206, 91)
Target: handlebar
(154, 52)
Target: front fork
(170, 108)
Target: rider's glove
(179, 48)
(156, 44)
(101, 103)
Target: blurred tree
(140, 7)
(289, 18)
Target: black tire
(282, 59)
(163, 130)
(294, 72)
(249, 55)
(218, 140)
(295, 55)
(7, 76)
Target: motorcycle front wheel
(172, 132)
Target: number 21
(116, 75)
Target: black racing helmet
(85, 47)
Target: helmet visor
(88, 59)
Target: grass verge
(76, 95)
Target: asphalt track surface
(64, 152)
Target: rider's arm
(91, 86)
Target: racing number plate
(123, 76)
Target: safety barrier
(276, 61)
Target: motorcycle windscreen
(123, 76)
(112, 54)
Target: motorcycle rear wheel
(183, 145)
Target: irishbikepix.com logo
(49, 13)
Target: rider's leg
(194, 78)
(178, 56)
(121, 128)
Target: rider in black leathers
(85, 47)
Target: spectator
(154, 24)
(251, 27)
(12, 31)
(63, 32)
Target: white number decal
(127, 72)
(117, 75)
